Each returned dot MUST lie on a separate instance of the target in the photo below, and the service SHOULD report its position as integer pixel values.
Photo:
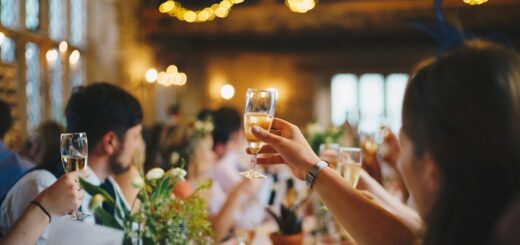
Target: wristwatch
(311, 175)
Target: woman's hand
(290, 147)
(64, 195)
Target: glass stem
(253, 160)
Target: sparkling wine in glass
(349, 164)
(74, 157)
(259, 112)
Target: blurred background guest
(12, 165)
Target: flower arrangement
(161, 218)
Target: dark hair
(174, 109)
(226, 121)
(205, 114)
(6, 119)
(462, 109)
(99, 108)
(47, 139)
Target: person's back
(12, 166)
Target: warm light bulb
(162, 78)
(172, 69)
(2, 37)
(182, 79)
(475, 2)
(221, 12)
(226, 4)
(190, 16)
(166, 7)
(74, 57)
(227, 92)
(151, 75)
(63, 46)
(51, 55)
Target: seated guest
(459, 152)
(57, 200)
(226, 209)
(45, 143)
(111, 117)
(12, 166)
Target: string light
(220, 10)
(475, 2)
(227, 92)
(51, 55)
(300, 6)
(167, 78)
(63, 46)
(74, 57)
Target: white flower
(174, 158)
(155, 173)
(177, 173)
(138, 182)
(96, 201)
(208, 127)
(198, 126)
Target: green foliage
(288, 221)
(161, 218)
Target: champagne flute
(259, 112)
(349, 161)
(74, 156)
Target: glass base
(78, 215)
(252, 174)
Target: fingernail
(256, 129)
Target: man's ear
(109, 142)
(430, 173)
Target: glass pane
(32, 14)
(57, 17)
(56, 91)
(78, 22)
(395, 87)
(32, 88)
(10, 13)
(371, 102)
(8, 50)
(344, 94)
(76, 73)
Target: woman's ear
(430, 173)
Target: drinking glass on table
(74, 156)
(349, 164)
(259, 111)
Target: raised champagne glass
(74, 157)
(259, 112)
(349, 164)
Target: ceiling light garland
(220, 10)
(475, 2)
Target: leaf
(93, 190)
(106, 219)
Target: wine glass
(349, 164)
(74, 157)
(259, 112)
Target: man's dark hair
(99, 108)
(6, 119)
(226, 121)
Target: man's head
(6, 119)
(227, 131)
(112, 118)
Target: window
(368, 100)
(32, 14)
(56, 90)
(40, 26)
(10, 13)
(57, 17)
(8, 50)
(32, 88)
(78, 22)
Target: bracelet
(311, 175)
(42, 208)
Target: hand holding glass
(259, 112)
(74, 156)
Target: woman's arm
(60, 198)
(367, 222)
